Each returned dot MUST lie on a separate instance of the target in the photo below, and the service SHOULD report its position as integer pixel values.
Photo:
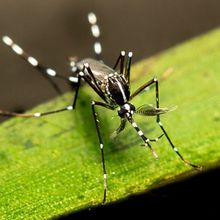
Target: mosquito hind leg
(47, 72)
(95, 30)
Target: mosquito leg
(46, 72)
(36, 114)
(40, 114)
(120, 128)
(81, 74)
(120, 60)
(157, 139)
(140, 89)
(87, 67)
(165, 133)
(128, 67)
(144, 138)
(94, 103)
(95, 30)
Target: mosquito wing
(150, 110)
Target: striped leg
(122, 127)
(95, 30)
(46, 71)
(94, 103)
(121, 60)
(144, 138)
(36, 114)
(147, 84)
(40, 114)
(165, 133)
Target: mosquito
(112, 86)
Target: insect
(113, 87)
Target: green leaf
(52, 166)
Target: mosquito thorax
(126, 110)
(117, 89)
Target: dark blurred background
(52, 30)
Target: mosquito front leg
(143, 137)
(101, 145)
(120, 128)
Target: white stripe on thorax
(122, 91)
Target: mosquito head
(126, 110)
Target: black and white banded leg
(122, 127)
(140, 89)
(47, 72)
(144, 138)
(127, 67)
(164, 131)
(95, 30)
(40, 114)
(36, 114)
(94, 103)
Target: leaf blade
(52, 165)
